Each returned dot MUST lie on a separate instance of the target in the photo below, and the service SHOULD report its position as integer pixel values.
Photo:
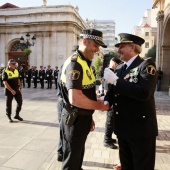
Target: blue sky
(125, 13)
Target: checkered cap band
(92, 37)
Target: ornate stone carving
(160, 16)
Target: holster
(72, 115)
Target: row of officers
(32, 74)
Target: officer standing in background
(42, 76)
(35, 76)
(22, 75)
(28, 74)
(132, 98)
(13, 88)
(1, 70)
(78, 92)
(49, 77)
(109, 125)
(56, 76)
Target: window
(146, 45)
(146, 33)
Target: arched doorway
(165, 56)
(16, 53)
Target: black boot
(9, 117)
(18, 117)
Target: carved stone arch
(165, 54)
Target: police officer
(56, 76)
(49, 77)
(78, 91)
(35, 76)
(1, 71)
(28, 74)
(42, 76)
(132, 98)
(109, 125)
(22, 75)
(13, 87)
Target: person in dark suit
(56, 76)
(49, 77)
(132, 98)
(22, 76)
(42, 76)
(35, 76)
(28, 74)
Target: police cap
(125, 38)
(11, 61)
(95, 35)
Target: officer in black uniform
(109, 125)
(56, 76)
(78, 92)
(22, 75)
(13, 87)
(28, 74)
(1, 71)
(35, 76)
(49, 77)
(132, 99)
(42, 76)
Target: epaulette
(74, 57)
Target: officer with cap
(41, 76)
(132, 98)
(13, 88)
(78, 92)
(49, 77)
(56, 76)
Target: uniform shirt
(76, 82)
(13, 82)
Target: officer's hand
(103, 107)
(92, 125)
(13, 92)
(109, 76)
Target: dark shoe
(60, 158)
(18, 117)
(110, 145)
(9, 117)
(113, 141)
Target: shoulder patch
(74, 75)
(74, 57)
(151, 69)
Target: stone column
(159, 18)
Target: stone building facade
(163, 40)
(56, 29)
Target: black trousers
(60, 105)
(35, 82)
(55, 82)
(109, 125)
(49, 82)
(42, 83)
(9, 98)
(22, 81)
(74, 139)
(137, 154)
(29, 81)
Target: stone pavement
(32, 144)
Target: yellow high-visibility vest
(11, 74)
(88, 77)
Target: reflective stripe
(11, 74)
(88, 80)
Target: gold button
(117, 113)
(143, 116)
(115, 95)
(115, 104)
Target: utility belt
(73, 113)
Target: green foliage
(152, 53)
(27, 51)
(97, 65)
